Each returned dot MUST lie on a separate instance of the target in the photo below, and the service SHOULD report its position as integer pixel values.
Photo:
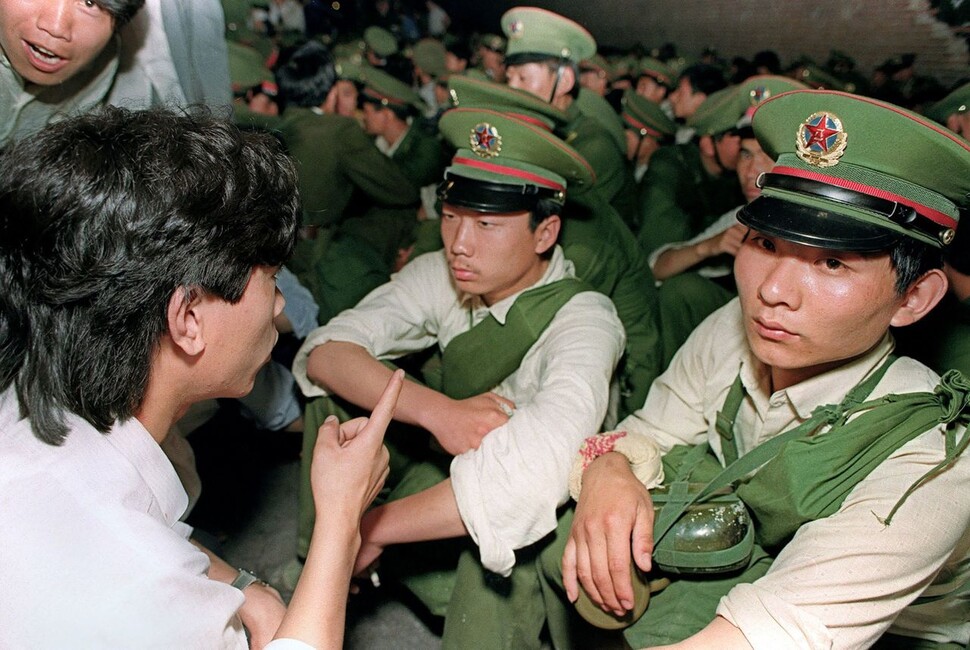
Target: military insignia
(820, 140)
(485, 140)
(454, 98)
(516, 27)
(947, 235)
(759, 94)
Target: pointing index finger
(384, 409)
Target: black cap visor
(483, 196)
(811, 226)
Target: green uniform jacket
(420, 156)
(607, 256)
(614, 177)
(679, 199)
(334, 157)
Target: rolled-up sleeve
(509, 488)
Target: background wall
(870, 31)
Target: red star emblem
(485, 138)
(819, 133)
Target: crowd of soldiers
(693, 295)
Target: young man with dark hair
(849, 463)
(138, 254)
(528, 352)
(56, 57)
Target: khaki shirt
(846, 579)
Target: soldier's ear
(921, 297)
(706, 145)
(546, 233)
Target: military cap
(504, 164)
(470, 92)
(732, 107)
(538, 33)
(247, 67)
(385, 90)
(493, 42)
(645, 117)
(429, 55)
(812, 75)
(380, 40)
(856, 174)
(656, 70)
(956, 102)
(598, 64)
(351, 69)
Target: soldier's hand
(462, 424)
(614, 518)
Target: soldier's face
(50, 41)
(684, 100)
(807, 310)
(648, 88)
(535, 78)
(375, 119)
(495, 255)
(752, 162)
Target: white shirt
(509, 488)
(92, 554)
(725, 222)
(846, 579)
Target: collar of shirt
(386, 147)
(135, 443)
(559, 268)
(827, 388)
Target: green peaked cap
(733, 106)
(470, 92)
(535, 31)
(656, 69)
(384, 89)
(504, 164)
(956, 102)
(647, 118)
(429, 55)
(856, 174)
(380, 40)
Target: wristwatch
(246, 578)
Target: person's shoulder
(907, 375)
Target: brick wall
(870, 31)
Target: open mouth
(42, 58)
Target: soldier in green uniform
(688, 186)
(342, 174)
(850, 460)
(391, 110)
(695, 274)
(953, 111)
(543, 53)
(528, 351)
(654, 80)
(647, 128)
(595, 239)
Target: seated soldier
(696, 275)
(646, 128)
(861, 524)
(596, 241)
(688, 186)
(138, 258)
(342, 255)
(542, 57)
(528, 356)
(56, 57)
